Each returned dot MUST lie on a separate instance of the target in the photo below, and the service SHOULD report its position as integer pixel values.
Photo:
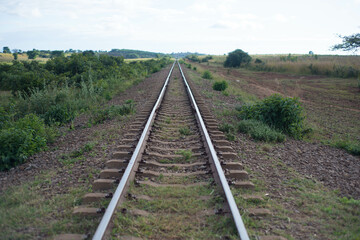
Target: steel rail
(229, 197)
(102, 227)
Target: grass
(8, 58)
(326, 100)
(26, 213)
(350, 146)
(329, 65)
(175, 213)
(260, 131)
(186, 154)
(77, 155)
(99, 114)
(304, 203)
(185, 131)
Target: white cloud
(169, 25)
(35, 12)
(280, 18)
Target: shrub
(258, 60)
(4, 118)
(236, 58)
(24, 138)
(207, 75)
(220, 85)
(59, 114)
(282, 113)
(259, 131)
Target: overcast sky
(211, 26)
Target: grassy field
(328, 65)
(331, 104)
(8, 58)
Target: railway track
(169, 178)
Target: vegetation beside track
(56, 92)
(326, 100)
(301, 206)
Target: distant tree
(15, 54)
(350, 43)
(6, 50)
(132, 55)
(32, 54)
(88, 53)
(236, 58)
(57, 53)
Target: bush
(59, 114)
(282, 113)
(220, 85)
(24, 138)
(236, 58)
(259, 131)
(207, 75)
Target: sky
(211, 26)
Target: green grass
(260, 131)
(304, 203)
(186, 154)
(350, 146)
(185, 131)
(27, 213)
(175, 213)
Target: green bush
(4, 118)
(237, 58)
(220, 85)
(282, 113)
(24, 138)
(207, 75)
(259, 131)
(59, 114)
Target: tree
(236, 58)
(32, 54)
(15, 54)
(57, 53)
(6, 50)
(350, 43)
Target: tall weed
(282, 113)
(22, 139)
